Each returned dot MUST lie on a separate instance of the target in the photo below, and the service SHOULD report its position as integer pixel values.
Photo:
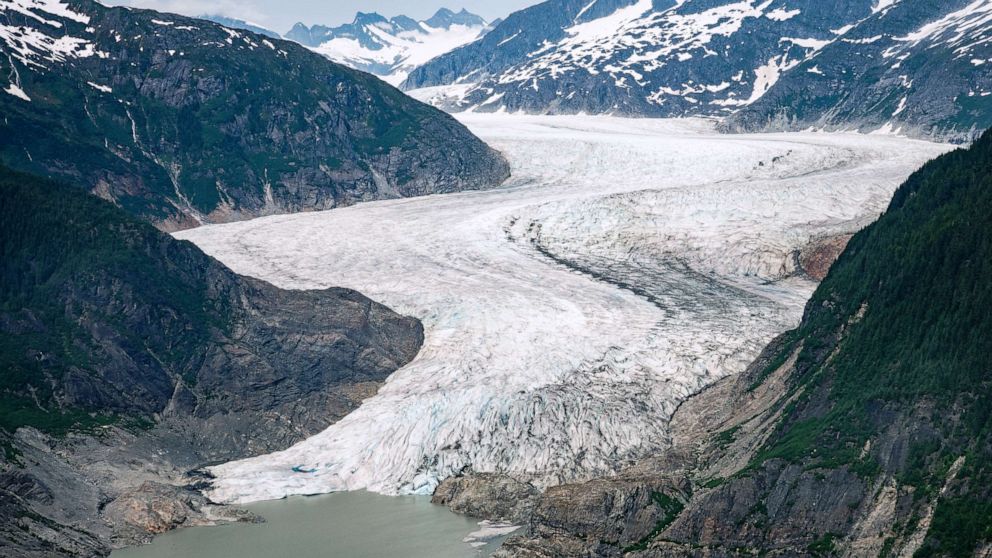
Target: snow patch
(16, 91)
(781, 14)
(98, 87)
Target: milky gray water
(340, 525)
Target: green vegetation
(903, 324)
(670, 509)
(727, 437)
(823, 546)
(88, 293)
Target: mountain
(763, 63)
(391, 48)
(183, 121)
(906, 68)
(241, 24)
(867, 431)
(139, 357)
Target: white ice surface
(628, 264)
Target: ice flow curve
(628, 264)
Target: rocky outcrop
(816, 258)
(183, 121)
(488, 496)
(131, 359)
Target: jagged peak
(445, 17)
(364, 18)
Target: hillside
(864, 432)
(184, 121)
(106, 322)
(919, 68)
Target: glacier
(627, 264)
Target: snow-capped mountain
(717, 57)
(391, 48)
(902, 69)
(183, 121)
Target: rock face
(915, 65)
(167, 359)
(865, 432)
(184, 121)
(391, 48)
(487, 496)
(815, 260)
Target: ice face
(627, 265)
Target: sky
(280, 15)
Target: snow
(901, 107)
(488, 531)
(56, 8)
(16, 91)
(882, 5)
(781, 14)
(568, 314)
(401, 52)
(768, 75)
(31, 47)
(442, 95)
(51, 42)
(99, 87)
(508, 39)
(964, 29)
(649, 43)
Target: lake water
(340, 525)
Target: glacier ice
(625, 266)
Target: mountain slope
(904, 68)
(105, 314)
(241, 24)
(865, 432)
(391, 48)
(107, 322)
(809, 62)
(183, 121)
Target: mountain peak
(365, 18)
(445, 18)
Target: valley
(603, 278)
(569, 313)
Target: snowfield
(626, 265)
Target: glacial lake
(339, 525)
